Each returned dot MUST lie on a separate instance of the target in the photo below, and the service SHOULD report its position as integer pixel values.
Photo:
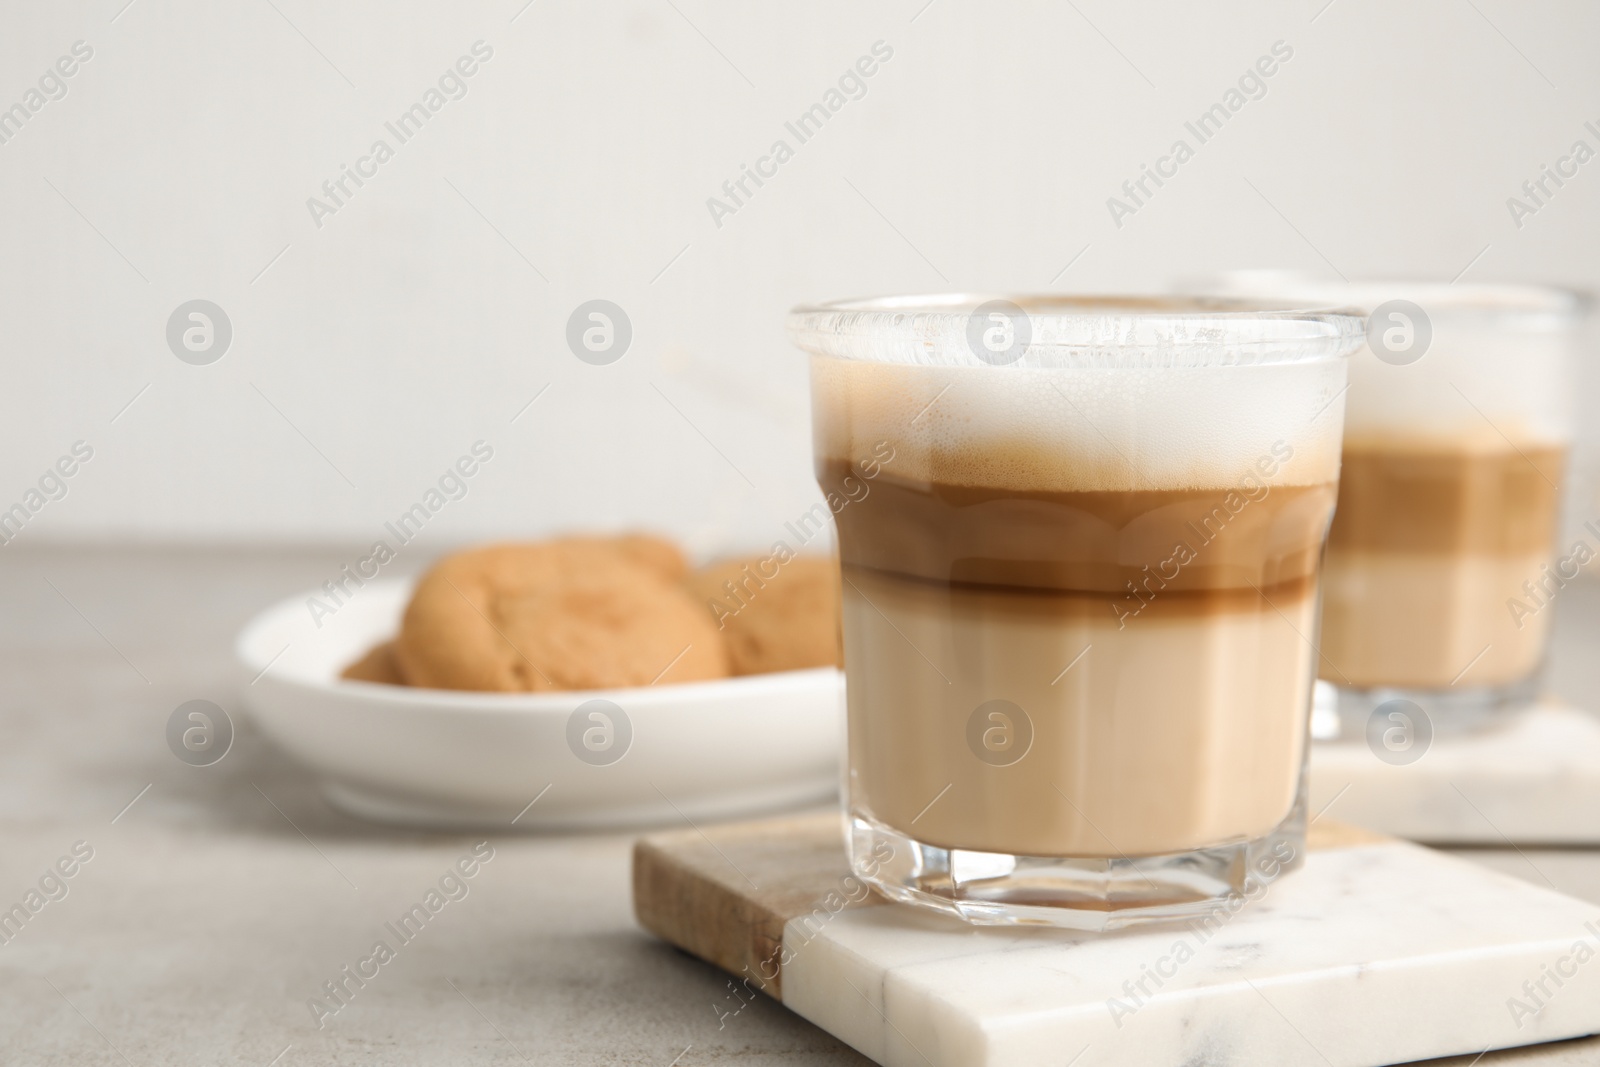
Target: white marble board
(1527, 777)
(1376, 952)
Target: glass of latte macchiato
(1081, 543)
(1442, 559)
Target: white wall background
(377, 348)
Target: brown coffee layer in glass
(1400, 496)
(1133, 544)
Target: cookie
(774, 617)
(378, 665)
(663, 557)
(577, 613)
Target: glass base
(1095, 894)
(1447, 711)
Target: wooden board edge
(1324, 835)
(678, 904)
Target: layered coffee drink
(1436, 544)
(1456, 440)
(1080, 603)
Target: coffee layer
(1433, 496)
(1141, 544)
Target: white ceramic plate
(700, 750)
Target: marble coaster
(1376, 952)
(1530, 778)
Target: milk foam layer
(1501, 353)
(1083, 429)
(1464, 382)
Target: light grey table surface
(219, 902)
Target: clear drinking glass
(1081, 542)
(1442, 560)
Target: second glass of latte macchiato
(1081, 565)
(1442, 559)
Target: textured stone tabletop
(215, 902)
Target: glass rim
(1507, 299)
(1078, 330)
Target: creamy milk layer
(1178, 731)
(1431, 621)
